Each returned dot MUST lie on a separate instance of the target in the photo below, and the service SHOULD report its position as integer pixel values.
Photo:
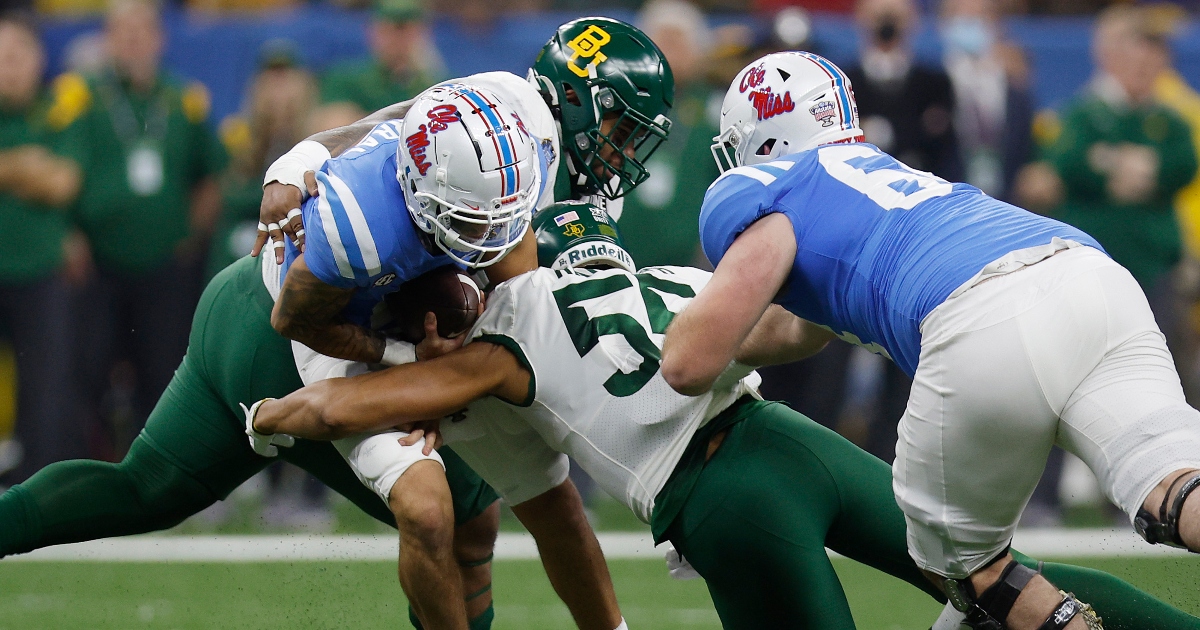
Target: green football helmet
(596, 68)
(575, 235)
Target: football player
(599, 92)
(565, 361)
(194, 450)
(600, 80)
(1019, 332)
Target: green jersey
(1142, 237)
(143, 154)
(31, 234)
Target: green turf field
(365, 595)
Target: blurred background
(134, 137)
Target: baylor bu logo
(440, 118)
(587, 45)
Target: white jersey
(593, 342)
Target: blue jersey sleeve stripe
(348, 244)
(746, 171)
(358, 223)
(329, 226)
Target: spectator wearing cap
(39, 179)
(275, 116)
(403, 63)
(149, 200)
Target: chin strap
(989, 611)
(1164, 530)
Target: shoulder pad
(70, 98)
(196, 102)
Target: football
(447, 292)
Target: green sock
(1120, 604)
(482, 622)
(81, 500)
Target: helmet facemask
(469, 235)
(615, 160)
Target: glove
(678, 566)
(264, 444)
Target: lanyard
(130, 132)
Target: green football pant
(782, 488)
(193, 451)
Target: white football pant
(1064, 351)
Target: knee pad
(989, 610)
(1164, 530)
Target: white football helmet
(785, 103)
(470, 171)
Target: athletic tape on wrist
(291, 166)
(623, 626)
(396, 352)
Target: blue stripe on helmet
(506, 151)
(839, 83)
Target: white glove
(678, 566)
(291, 166)
(262, 443)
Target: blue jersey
(358, 232)
(878, 245)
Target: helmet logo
(587, 45)
(440, 118)
(416, 149)
(753, 78)
(768, 105)
(823, 112)
(574, 230)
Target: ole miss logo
(753, 78)
(440, 118)
(769, 105)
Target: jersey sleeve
(497, 325)
(340, 250)
(505, 451)
(738, 198)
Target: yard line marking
(1049, 543)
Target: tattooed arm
(339, 139)
(309, 311)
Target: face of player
(21, 65)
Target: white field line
(1048, 543)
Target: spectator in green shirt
(1122, 157)
(38, 180)
(148, 204)
(403, 63)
